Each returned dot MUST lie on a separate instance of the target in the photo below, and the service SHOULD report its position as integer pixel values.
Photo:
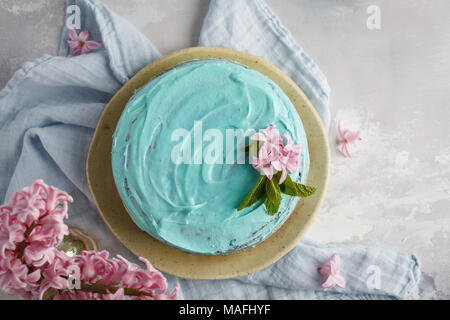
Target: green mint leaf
(254, 195)
(273, 190)
(271, 207)
(277, 177)
(293, 188)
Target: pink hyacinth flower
(148, 280)
(11, 233)
(55, 273)
(15, 278)
(346, 137)
(96, 267)
(332, 273)
(80, 44)
(267, 160)
(38, 254)
(39, 201)
(289, 158)
(274, 155)
(93, 265)
(269, 135)
(31, 228)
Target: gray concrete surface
(392, 84)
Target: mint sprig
(270, 191)
(293, 188)
(273, 193)
(271, 207)
(273, 190)
(257, 193)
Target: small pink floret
(346, 137)
(80, 44)
(332, 273)
(275, 155)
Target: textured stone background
(392, 84)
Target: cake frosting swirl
(193, 206)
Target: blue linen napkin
(50, 108)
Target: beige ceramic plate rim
(175, 261)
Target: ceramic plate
(175, 261)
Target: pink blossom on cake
(267, 160)
(274, 158)
(274, 155)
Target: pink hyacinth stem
(104, 289)
(23, 244)
(100, 288)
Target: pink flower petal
(328, 284)
(332, 273)
(274, 155)
(92, 45)
(259, 136)
(339, 129)
(325, 271)
(83, 36)
(353, 136)
(336, 262)
(340, 281)
(73, 35)
(268, 171)
(76, 51)
(85, 49)
(345, 138)
(277, 165)
(283, 176)
(73, 44)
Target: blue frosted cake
(180, 177)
